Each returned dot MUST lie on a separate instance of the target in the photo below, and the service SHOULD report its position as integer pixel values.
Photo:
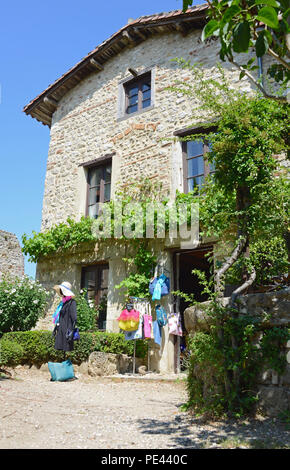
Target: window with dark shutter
(138, 94)
(99, 188)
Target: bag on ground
(61, 371)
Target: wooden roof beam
(139, 33)
(96, 64)
(180, 26)
(129, 38)
(50, 101)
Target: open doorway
(95, 281)
(184, 262)
(187, 282)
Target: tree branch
(279, 59)
(243, 287)
(228, 263)
(281, 99)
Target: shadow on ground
(185, 431)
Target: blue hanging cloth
(55, 316)
(158, 287)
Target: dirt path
(92, 413)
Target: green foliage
(142, 262)
(10, 353)
(273, 348)
(215, 359)
(86, 312)
(60, 237)
(237, 25)
(22, 303)
(268, 256)
(37, 347)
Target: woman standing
(67, 318)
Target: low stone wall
(11, 257)
(271, 309)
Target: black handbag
(73, 335)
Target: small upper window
(138, 94)
(99, 188)
(196, 167)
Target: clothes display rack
(145, 301)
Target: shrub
(10, 353)
(22, 303)
(86, 313)
(37, 347)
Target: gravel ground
(100, 413)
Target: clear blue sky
(39, 41)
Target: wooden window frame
(206, 166)
(103, 163)
(138, 81)
(97, 267)
(185, 159)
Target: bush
(86, 313)
(37, 347)
(22, 303)
(10, 353)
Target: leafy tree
(259, 24)
(245, 201)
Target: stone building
(112, 119)
(11, 257)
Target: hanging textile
(161, 315)
(147, 325)
(136, 334)
(174, 324)
(157, 333)
(129, 320)
(159, 287)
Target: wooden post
(134, 357)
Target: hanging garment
(161, 315)
(147, 325)
(136, 334)
(129, 320)
(174, 324)
(157, 332)
(159, 287)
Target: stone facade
(11, 257)
(88, 124)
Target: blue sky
(39, 41)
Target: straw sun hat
(65, 289)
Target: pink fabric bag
(174, 324)
(147, 322)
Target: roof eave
(43, 106)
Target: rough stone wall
(11, 257)
(86, 125)
(272, 309)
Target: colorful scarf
(55, 316)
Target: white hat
(64, 289)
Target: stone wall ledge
(269, 309)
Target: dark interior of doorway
(185, 281)
(188, 282)
(95, 281)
